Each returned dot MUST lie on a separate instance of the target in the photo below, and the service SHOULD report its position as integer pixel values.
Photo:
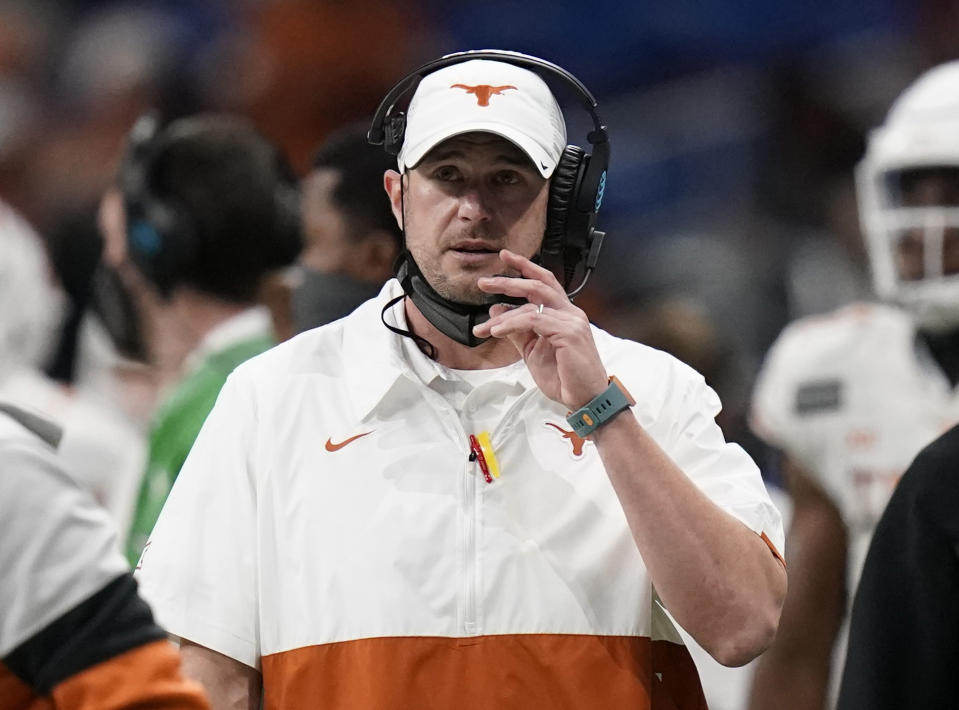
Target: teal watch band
(600, 409)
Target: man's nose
(474, 205)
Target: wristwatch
(601, 408)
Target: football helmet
(921, 131)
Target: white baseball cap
(487, 96)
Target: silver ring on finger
(539, 308)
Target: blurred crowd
(731, 185)
(74, 77)
(731, 208)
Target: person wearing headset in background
(75, 634)
(851, 397)
(204, 208)
(351, 240)
(445, 499)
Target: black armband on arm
(108, 623)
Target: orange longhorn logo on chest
(577, 441)
(482, 92)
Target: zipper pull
(477, 454)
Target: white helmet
(921, 130)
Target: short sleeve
(58, 546)
(722, 470)
(199, 567)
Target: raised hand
(551, 334)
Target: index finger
(530, 270)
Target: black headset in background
(578, 181)
(162, 237)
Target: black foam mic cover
(453, 319)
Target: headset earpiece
(143, 240)
(161, 244)
(160, 239)
(563, 189)
(562, 194)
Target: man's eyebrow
(436, 156)
(517, 159)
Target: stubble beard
(463, 288)
(466, 293)
(459, 290)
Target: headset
(578, 183)
(163, 240)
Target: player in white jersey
(74, 634)
(851, 397)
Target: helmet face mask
(908, 192)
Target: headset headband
(377, 132)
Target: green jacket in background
(175, 427)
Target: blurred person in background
(351, 240)
(904, 628)
(99, 447)
(205, 207)
(75, 634)
(850, 397)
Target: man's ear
(393, 183)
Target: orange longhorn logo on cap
(482, 92)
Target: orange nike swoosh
(330, 446)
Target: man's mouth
(474, 248)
